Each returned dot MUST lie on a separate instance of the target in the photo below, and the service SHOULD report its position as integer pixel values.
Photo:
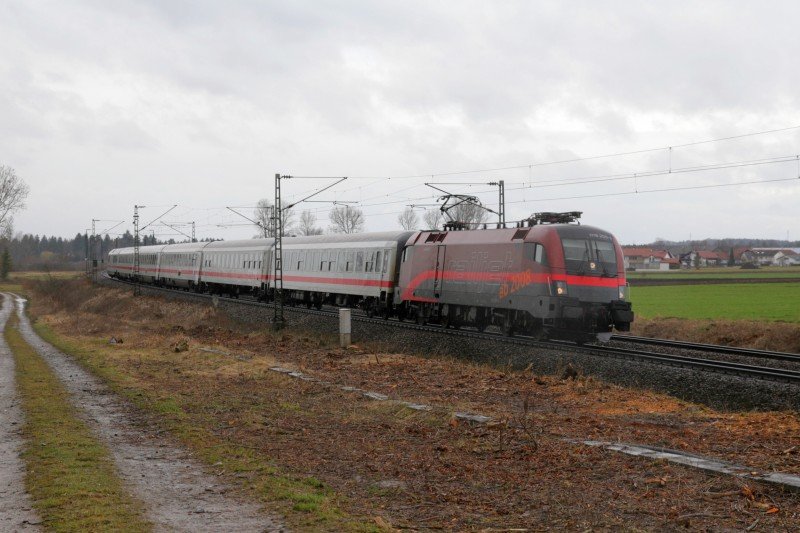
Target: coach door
(439, 271)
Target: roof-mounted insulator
(455, 225)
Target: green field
(719, 273)
(741, 301)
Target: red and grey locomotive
(547, 279)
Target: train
(549, 277)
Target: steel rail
(792, 376)
(701, 347)
(724, 367)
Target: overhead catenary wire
(603, 178)
(640, 191)
(395, 198)
(532, 165)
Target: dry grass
(776, 336)
(328, 455)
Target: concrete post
(344, 328)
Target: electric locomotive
(550, 278)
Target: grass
(16, 280)
(70, 475)
(40, 274)
(720, 273)
(305, 502)
(741, 301)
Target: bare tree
(432, 218)
(308, 224)
(469, 213)
(346, 219)
(13, 192)
(408, 219)
(263, 217)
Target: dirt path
(178, 495)
(16, 511)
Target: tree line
(34, 252)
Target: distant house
(744, 256)
(786, 258)
(764, 256)
(640, 258)
(704, 258)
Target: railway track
(694, 363)
(713, 348)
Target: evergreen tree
(731, 259)
(5, 264)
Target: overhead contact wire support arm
(277, 223)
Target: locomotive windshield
(590, 257)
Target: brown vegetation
(426, 469)
(777, 336)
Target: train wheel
(508, 326)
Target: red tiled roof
(637, 252)
(705, 254)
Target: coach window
(386, 261)
(378, 263)
(359, 261)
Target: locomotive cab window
(590, 257)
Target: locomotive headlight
(623, 292)
(560, 288)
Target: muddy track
(178, 495)
(16, 511)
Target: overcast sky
(106, 104)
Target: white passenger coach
(357, 269)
